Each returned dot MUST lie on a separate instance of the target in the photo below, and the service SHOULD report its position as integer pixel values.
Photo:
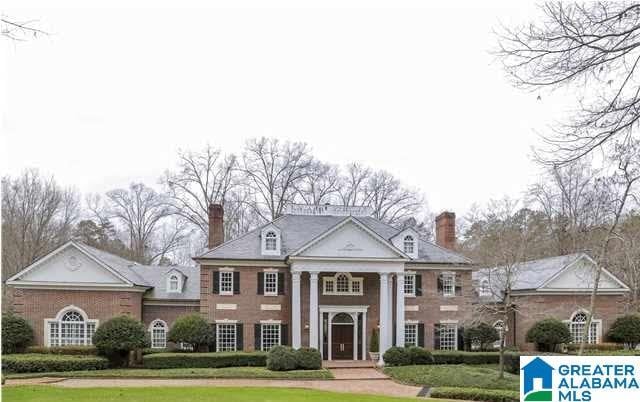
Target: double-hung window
(70, 328)
(226, 282)
(270, 283)
(226, 337)
(411, 334)
(158, 334)
(270, 336)
(449, 284)
(448, 337)
(410, 285)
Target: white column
(364, 335)
(313, 310)
(329, 341)
(296, 318)
(384, 315)
(354, 317)
(390, 312)
(400, 309)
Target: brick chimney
(216, 225)
(446, 230)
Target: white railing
(335, 210)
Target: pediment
(69, 265)
(350, 240)
(581, 275)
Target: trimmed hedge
(203, 360)
(282, 358)
(476, 394)
(458, 357)
(37, 363)
(597, 347)
(419, 355)
(308, 359)
(17, 334)
(397, 356)
(64, 350)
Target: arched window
(70, 327)
(270, 241)
(485, 290)
(342, 283)
(158, 330)
(409, 244)
(576, 327)
(499, 326)
(174, 283)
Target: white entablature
(334, 210)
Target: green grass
(180, 394)
(454, 375)
(227, 372)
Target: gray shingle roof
(151, 276)
(298, 230)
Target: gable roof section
(350, 219)
(298, 230)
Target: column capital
(400, 274)
(384, 275)
(295, 276)
(313, 275)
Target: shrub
(482, 334)
(595, 347)
(512, 363)
(626, 329)
(418, 355)
(374, 345)
(38, 362)
(476, 394)
(548, 334)
(191, 329)
(396, 356)
(459, 357)
(17, 334)
(204, 360)
(281, 358)
(308, 359)
(117, 337)
(64, 350)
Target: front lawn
(454, 375)
(226, 372)
(179, 394)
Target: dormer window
(271, 241)
(409, 244)
(485, 290)
(174, 283)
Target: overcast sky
(111, 95)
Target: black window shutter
(460, 338)
(260, 283)
(236, 283)
(421, 335)
(284, 334)
(281, 283)
(215, 281)
(458, 280)
(418, 282)
(257, 337)
(212, 343)
(440, 284)
(239, 337)
(436, 336)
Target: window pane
(226, 337)
(270, 241)
(411, 334)
(410, 284)
(448, 285)
(448, 337)
(270, 283)
(342, 284)
(270, 336)
(226, 282)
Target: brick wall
(168, 314)
(248, 302)
(36, 305)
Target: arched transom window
(271, 241)
(409, 244)
(576, 327)
(158, 330)
(342, 283)
(174, 283)
(70, 327)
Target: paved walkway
(361, 381)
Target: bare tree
(592, 48)
(625, 255)
(37, 216)
(320, 185)
(141, 211)
(202, 178)
(19, 30)
(353, 185)
(272, 171)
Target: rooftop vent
(327, 209)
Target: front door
(342, 342)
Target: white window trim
(262, 325)
(451, 275)
(179, 288)
(481, 291)
(598, 323)
(58, 320)
(263, 240)
(412, 274)
(235, 334)
(412, 242)
(455, 337)
(414, 324)
(333, 279)
(264, 283)
(166, 331)
(225, 292)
